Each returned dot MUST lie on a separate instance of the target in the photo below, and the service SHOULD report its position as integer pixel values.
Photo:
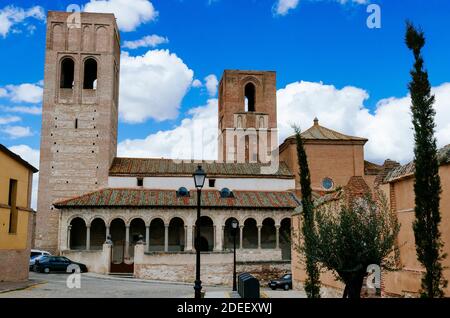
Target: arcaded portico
(169, 225)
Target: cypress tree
(312, 282)
(427, 186)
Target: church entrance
(120, 261)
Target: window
(67, 73)
(212, 183)
(140, 182)
(12, 198)
(327, 183)
(182, 192)
(226, 193)
(249, 93)
(76, 123)
(90, 74)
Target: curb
(26, 286)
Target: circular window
(327, 183)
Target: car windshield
(34, 254)
(287, 276)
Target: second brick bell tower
(80, 113)
(247, 116)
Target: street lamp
(199, 180)
(234, 228)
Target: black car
(49, 264)
(284, 282)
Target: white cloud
(9, 119)
(197, 83)
(195, 137)
(147, 41)
(152, 86)
(15, 132)
(31, 156)
(31, 110)
(130, 14)
(3, 92)
(10, 16)
(28, 93)
(388, 128)
(211, 83)
(282, 7)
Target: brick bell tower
(247, 116)
(80, 113)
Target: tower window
(67, 73)
(249, 92)
(90, 74)
(140, 182)
(212, 183)
(76, 123)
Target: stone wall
(96, 261)
(216, 267)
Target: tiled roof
(318, 132)
(408, 169)
(145, 198)
(168, 167)
(371, 168)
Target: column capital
(277, 226)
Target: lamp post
(199, 180)
(234, 229)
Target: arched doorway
(77, 234)
(98, 234)
(157, 235)
(268, 234)
(176, 235)
(206, 241)
(137, 229)
(285, 238)
(250, 235)
(228, 235)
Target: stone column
(166, 237)
(127, 241)
(107, 232)
(277, 235)
(219, 238)
(189, 238)
(69, 228)
(88, 237)
(147, 238)
(241, 236)
(259, 236)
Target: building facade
(16, 216)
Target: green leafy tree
(427, 185)
(349, 238)
(312, 282)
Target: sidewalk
(11, 286)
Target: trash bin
(248, 286)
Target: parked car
(284, 282)
(49, 264)
(36, 255)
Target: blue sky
(354, 78)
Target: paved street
(92, 285)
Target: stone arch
(268, 233)
(228, 238)
(250, 234)
(117, 217)
(98, 233)
(101, 39)
(285, 238)
(96, 216)
(90, 73)
(117, 232)
(206, 240)
(67, 72)
(157, 234)
(73, 39)
(176, 234)
(58, 37)
(77, 233)
(137, 230)
(158, 216)
(87, 38)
